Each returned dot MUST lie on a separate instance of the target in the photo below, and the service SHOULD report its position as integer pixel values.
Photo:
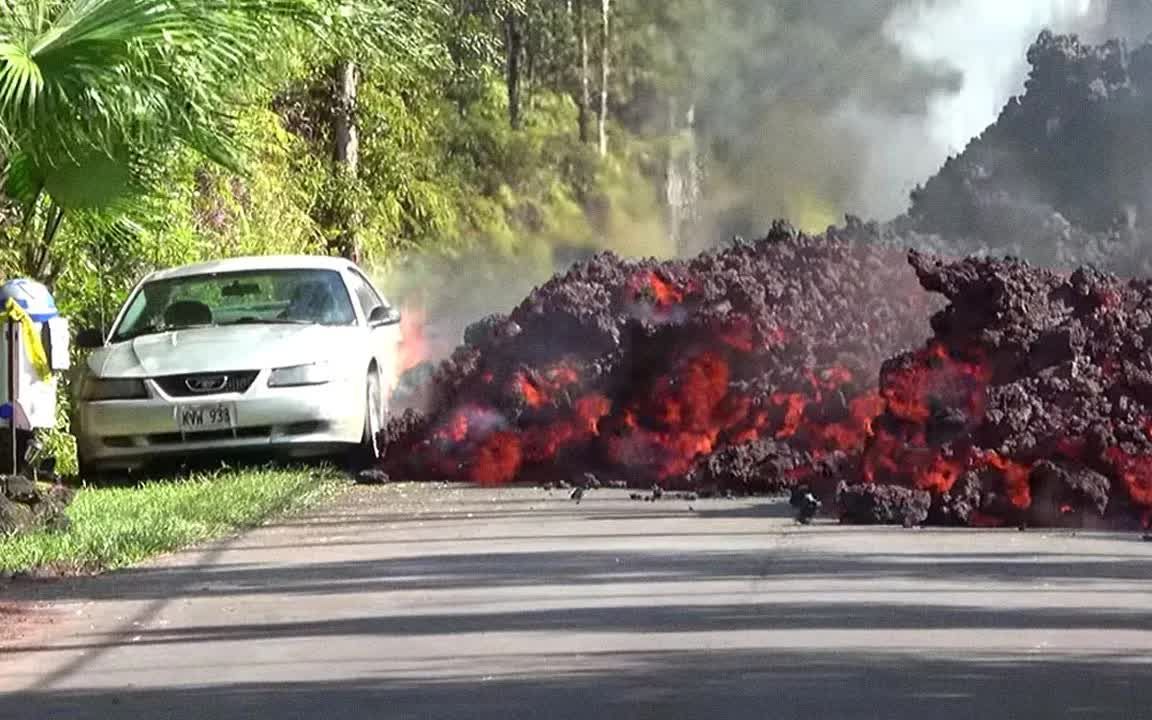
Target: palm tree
(94, 92)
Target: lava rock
(957, 506)
(762, 466)
(26, 506)
(1022, 187)
(20, 489)
(373, 477)
(1062, 491)
(805, 503)
(883, 505)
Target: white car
(296, 355)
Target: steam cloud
(818, 108)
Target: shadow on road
(778, 686)
(461, 626)
(480, 569)
(663, 618)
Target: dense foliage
(413, 135)
(142, 133)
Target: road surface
(434, 602)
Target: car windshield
(311, 297)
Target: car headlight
(114, 389)
(311, 374)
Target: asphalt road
(426, 602)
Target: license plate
(199, 418)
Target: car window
(252, 297)
(366, 295)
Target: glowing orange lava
(413, 338)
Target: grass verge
(116, 527)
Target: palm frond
(104, 73)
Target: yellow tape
(35, 347)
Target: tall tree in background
(605, 57)
(514, 20)
(472, 48)
(584, 94)
(355, 38)
(345, 77)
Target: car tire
(367, 454)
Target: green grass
(116, 527)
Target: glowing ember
(1136, 472)
(1015, 479)
(414, 341)
(663, 292)
(532, 394)
(497, 460)
(794, 406)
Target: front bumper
(298, 421)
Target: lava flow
(1031, 405)
(640, 370)
(753, 369)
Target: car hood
(218, 349)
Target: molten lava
(640, 370)
(650, 283)
(413, 338)
(755, 368)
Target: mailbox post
(35, 346)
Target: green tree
(96, 94)
(398, 38)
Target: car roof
(257, 262)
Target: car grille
(251, 433)
(207, 384)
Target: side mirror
(89, 339)
(383, 315)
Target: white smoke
(815, 108)
(986, 42)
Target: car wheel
(374, 411)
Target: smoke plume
(818, 108)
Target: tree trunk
(584, 94)
(674, 178)
(346, 149)
(694, 188)
(605, 55)
(531, 43)
(41, 267)
(514, 45)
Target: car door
(384, 332)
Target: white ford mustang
(292, 354)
